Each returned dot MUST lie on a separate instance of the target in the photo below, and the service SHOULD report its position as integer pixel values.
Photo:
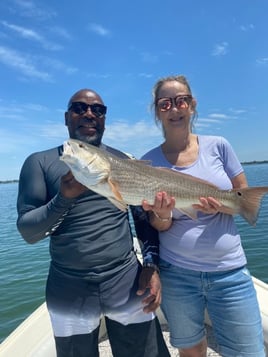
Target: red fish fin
(189, 211)
(117, 200)
(249, 201)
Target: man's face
(85, 117)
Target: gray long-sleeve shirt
(89, 236)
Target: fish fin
(165, 168)
(141, 162)
(249, 202)
(119, 204)
(189, 211)
(117, 200)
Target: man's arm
(149, 277)
(38, 215)
(147, 235)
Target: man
(94, 270)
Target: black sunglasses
(99, 110)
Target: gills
(128, 182)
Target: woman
(202, 261)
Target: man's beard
(90, 139)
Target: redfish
(128, 182)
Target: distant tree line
(254, 162)
(9, 181)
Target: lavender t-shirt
(212, 242)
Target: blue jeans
(232, 305)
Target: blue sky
(50, 49)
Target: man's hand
(70, 188)
(149, 279)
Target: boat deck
(105, 349)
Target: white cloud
(22, 31)
(220, 49)
(238, 111)
(148, 57)
(246, 28)
(262, 61)
(145, 75)
(218, 116)
(60, 31)
(59, 65)
(208, 120)
(27, 8)
(32, 35)
(96, 75)
(22, 64)
(34, 107)
(127, 137)
(52, 131)
(99, 30)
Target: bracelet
(163, 219)
(151, 265)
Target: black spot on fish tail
(249, 202)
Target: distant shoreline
(254, 162)
(243, 163)
(9, 181)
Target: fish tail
(250, 201)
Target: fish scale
(143, 183)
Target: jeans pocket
(245, 271)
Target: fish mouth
(67, 149)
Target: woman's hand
(162, 206)
(208, 205)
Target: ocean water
(24, 267)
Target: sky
(50, 49)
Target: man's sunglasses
(99, 110)
(180, 102)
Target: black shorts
(76, 307)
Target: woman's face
(174, 105)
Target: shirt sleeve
(232, 165)
(38, 216)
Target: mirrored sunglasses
(99, 110)
(180, 102)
